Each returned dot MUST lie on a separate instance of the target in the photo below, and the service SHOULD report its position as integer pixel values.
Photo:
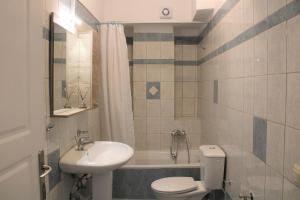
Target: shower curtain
(115, 93)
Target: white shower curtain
(115, 93)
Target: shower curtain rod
(133, 23)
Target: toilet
(212, 159)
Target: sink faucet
(82, 139)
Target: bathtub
(133, 180)
(162, 159)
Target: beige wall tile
(256, 173)
(153, 125)
(167, 50)
(153, 73)
(189, 52)
(275, 146)
(293, 100)
(178, 72)
(293, 44)
(260, 96)
(140, 125)
(178, 52)
(274, 183)
(140, 141)
(248, 58)
(153, 108)
(153, 142)
(290, 191)
(189, 73)
(274, 5)
(247, 133)
(167, 108)
(291, 156)
(139, 90)
(153, 50)
(178, 89)
(139, 50)
(139, 72)
(165, 143)
(188, 107)
(260, 10)
(189, 90)
(260, 54)
(248, 94)
(167, 73)
(139, 108)
(276, 97)
(167, 90)
(277, 49)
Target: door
(21, 98)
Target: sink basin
(98, 157)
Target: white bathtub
(162, 159)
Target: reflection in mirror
(71, 69)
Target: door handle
(46, 169)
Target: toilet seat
(174, 185)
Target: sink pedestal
(102, 186)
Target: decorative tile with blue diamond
(153, 90)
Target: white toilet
(212, 160)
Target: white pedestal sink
(98, 159)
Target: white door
(21, 98)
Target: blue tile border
(129, 40)
(153, 61)
(149, 85)
(283, 14)
(53, 161)
(182, 40)
(59, 60)
(260, 138)
(60, 37)
(216, 91)
(45, 33)
(186, 62)
(138, 37)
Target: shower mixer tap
(176, 135)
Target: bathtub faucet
(176, 135)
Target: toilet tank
(212, 160)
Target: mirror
(71, 68)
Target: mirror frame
(51, 64)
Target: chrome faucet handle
(81, 133)
(246, 197)
(173, 133)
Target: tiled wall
(153, 79)
(249, 86)
(186, 87)
(61, 138)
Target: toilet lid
(174, 185)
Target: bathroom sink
(96, 158)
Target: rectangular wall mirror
(71, 68)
